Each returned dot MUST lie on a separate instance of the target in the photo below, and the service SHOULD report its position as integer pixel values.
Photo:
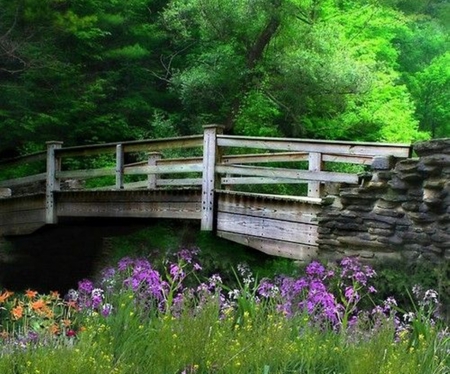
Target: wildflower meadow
(136, 317)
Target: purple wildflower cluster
(331, 296)
(314, 293)
(150, 289)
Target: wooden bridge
(217, 181)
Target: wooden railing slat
(322, 176)
(329, 147)
(23, 180)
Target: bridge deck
(284, 226)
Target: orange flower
(54, 329)
(39, 304)
(30, 294)
(17, 312)
(54, 295)
(48, 312)
(4, 296)
(66, 322)
(72, 304)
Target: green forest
(94, 71)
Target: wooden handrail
(132, 146)
(321, 146)
(234, 168)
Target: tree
(432, 91)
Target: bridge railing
(214, 170)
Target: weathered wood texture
(282, 226)
(211, 156)
(320, 146)
(22, 215)
(272, 247)
(305, 175)
(130, 204)
(24, 180)
(151, 145)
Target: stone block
(383, 163)
(411, 206)
(379, 225)
(406, 166)
(383, 204)
(380, 232)
(435, 160)
(353, 241)
(434, 146)
(389, 212)
(324, 230)
(5, 192)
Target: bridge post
(153, 158)
(314, 164)
(120, 161)
(210, 182)
(52, 183)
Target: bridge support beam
(210, 181)
(52, 183)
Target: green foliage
(89, 71)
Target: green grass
(202, 341)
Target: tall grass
(156, 325)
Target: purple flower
(107, 310)
(85, 286)
(315, 269)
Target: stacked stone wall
(401, 213)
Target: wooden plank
(148, 145)
(267, 228)
(306, 175)
(272, 247)
(209, 177)
(125, 196)
(260, 180)
(23, 180)
(86, 173)
(180, 182)
(314, 166)
(321, 146)
(163, 169)
(52, 181)
(359, 160)
(265, 157)
(152, 179)
(160, 183)
(17, 205)
(185, 210)
(120, 159)
(302, 199)
(279, 210)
